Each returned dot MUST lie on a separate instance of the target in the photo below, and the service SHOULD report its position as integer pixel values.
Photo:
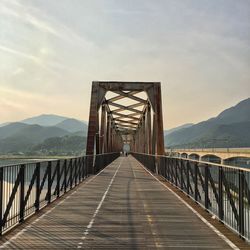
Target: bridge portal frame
(108, 134)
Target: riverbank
(17, 159)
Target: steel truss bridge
(105, 200)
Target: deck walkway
(123, 207)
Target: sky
(51, 51)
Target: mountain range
(50, 134)
(26, 135)
(231, 128)
(169, 131)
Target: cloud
(8, 92)
(37, 60)
(18, 71)
(193, 47)
(20, 53)
(22, 12)
(44, 23)
(11, 104)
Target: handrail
(218, 189)
(25, 188)
(52, 160)
(203, 162)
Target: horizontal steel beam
(125, 126)
(122, 108)
(129, 95)
(119, 97)
(128, 122)
(130, 116)
(126, 86)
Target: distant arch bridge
(227, 156)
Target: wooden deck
(123, 207)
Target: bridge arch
(173, 154)
(211, 158)
(194, 156)
(238, 161)
(177, 154)
(184, 155)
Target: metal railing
(26, 188)
(222, 190)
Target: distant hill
(37, 133)
(73, 125)
(67, 145)
(30, 135)
(45, 120)
(11, 129)
(169, 131)
(22, 137)
(4, 124)
(238, 113)
(231, 128)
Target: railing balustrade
(222, 190)
(26, 188)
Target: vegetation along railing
(222, 190)
(26, 188)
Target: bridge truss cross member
(120, 124)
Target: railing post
(195, 181)
(155, 169)
(58, 179)
(87, 165)
(220, 194)
(22, 208)
(95, 163)
(241, 202)
(84, 174)
(49, 182)
(164, 167)
(80, 170)
(71, 173)
(206, 186)
(37, 202)
(188, 178)
(76, 166)
(176, 172)
(181, 172)
(65, 176)
(1, 201)
(172, 171)
(168, 168)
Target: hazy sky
(51, 51)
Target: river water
(4, 162)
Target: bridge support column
(154, 135)
(159, 121)
(143, 134)
(103, 129)
(148, 130)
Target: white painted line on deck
(149, 218)
(222, 236)
(49, 211)
(86, 232)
